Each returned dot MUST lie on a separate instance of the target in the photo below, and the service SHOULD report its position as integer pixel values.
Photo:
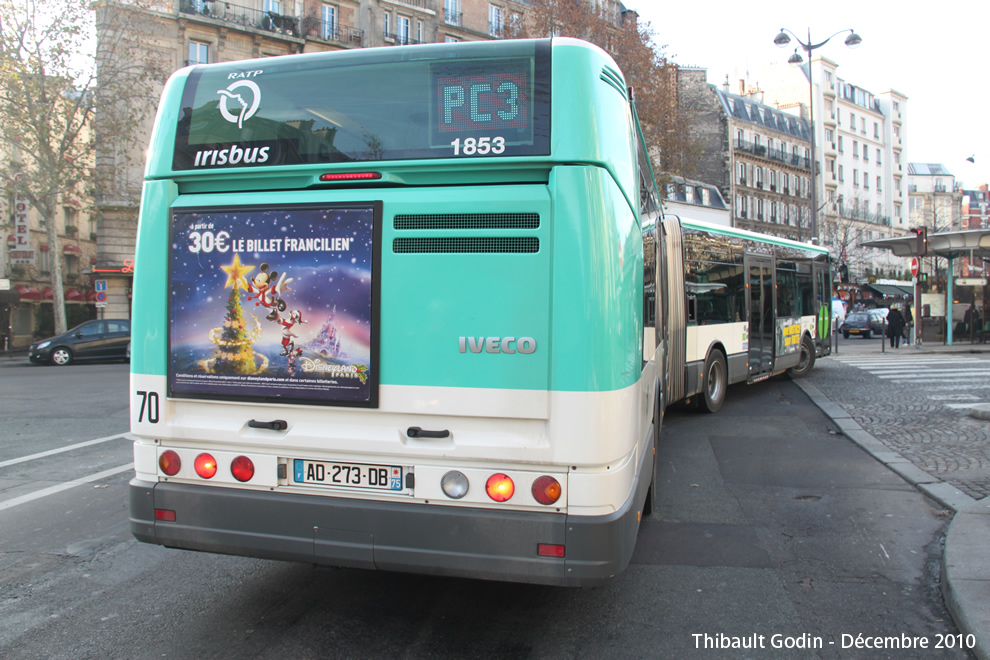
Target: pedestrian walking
(908, 324)
(895, 326)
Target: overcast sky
(935, 53)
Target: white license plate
(347, 475)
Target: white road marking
(51, 452)
(45, 492)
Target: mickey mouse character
(289, 346)
(261, 284)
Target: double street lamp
(809, 46)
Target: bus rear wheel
(807, 360)
(716, 380)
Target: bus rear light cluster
(205, 465)
(500, 487)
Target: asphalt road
(769, 524)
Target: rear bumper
(409, 537)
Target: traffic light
(923, 277)
(921, 241)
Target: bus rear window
(390, 104)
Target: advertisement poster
(274, 305)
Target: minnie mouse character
(289, 346)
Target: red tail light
(170, 463)
(546, 490)
(242, 468)
(500, 487)
(165, 515)
(350, 176)
(549, 550)
(206, 466)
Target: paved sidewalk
(966, 557)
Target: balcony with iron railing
(401, 40)
(451, 17)
(778, 155)
(333, 31)
(247, 17)
(418, 4)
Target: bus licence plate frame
(322, 474)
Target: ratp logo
(246, 110)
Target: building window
(330, 23)
(496, 20)
(452, 12)
(828, 135)
(450, 40)
(855, 177)
(878, 156)
(855, 148)
(876, 130)
(388, 25)
(852, 121)
(866, 153)
(273, 6)
(199, 53)
(71, 215)
(45, 261)
(402, 30)
(419, 32)
(841, 176)
(841, 150)
(862, 125)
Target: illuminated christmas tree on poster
(234, 354)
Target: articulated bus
(416, 309)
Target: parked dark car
(92, 340)
(865, 324)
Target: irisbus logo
(525, 345)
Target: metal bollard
(883, 336)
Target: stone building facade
(757, 155)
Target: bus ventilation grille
(469, 221)
(467, 244)
(612, 77)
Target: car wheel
(716, 380)
(807, 359)
(866, 334)
(845, 334)
(61, 356)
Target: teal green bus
(407, 309)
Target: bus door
(761, 315)
(823, 298)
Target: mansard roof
(749, 111)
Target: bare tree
(52, 93)
(666, 128)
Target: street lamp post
(809, 46)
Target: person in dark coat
(895, 326)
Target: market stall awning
(72, 249)
(28, 292)
(891, 290)
(75, 295)
(46, 293)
